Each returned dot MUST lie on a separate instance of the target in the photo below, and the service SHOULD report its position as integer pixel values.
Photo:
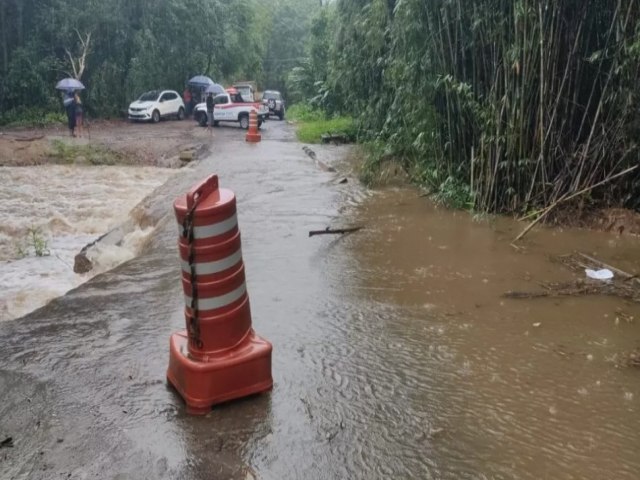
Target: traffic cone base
(253, 137)
(240, 372)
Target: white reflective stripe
(218, 302)
(219, 228)
(209, 268)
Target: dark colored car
(273, 99)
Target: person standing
(210, 111)
(79, 113)
(186, 96)
(70, 107)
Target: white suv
(157, 104)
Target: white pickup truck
(228, 108)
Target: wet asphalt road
(82, 380)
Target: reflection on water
(58, 210)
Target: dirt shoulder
(105, 143)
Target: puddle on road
(68, 206)
(492, 388)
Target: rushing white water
(56, 210)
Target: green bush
(311, 132)
(32, 117)
(312, 123)
(303, 112)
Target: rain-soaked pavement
(394, 354)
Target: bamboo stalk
(566, 197)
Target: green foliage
(32, 117)
(286, 42)
(144, 45)
(305, 113)
(308, 79)
(499, 105)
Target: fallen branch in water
(334, 231)
(580, 288)
(519, 295)
(566, 197)
(320, 163)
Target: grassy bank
(65, 153)
(311, 124)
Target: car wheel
(202, 119)
(181, 114)
(244, 122)
(216, 123)
(155, 116)
(281, 114)
(259, 122)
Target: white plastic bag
(604, 274)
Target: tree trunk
(20, 21)
(3, 29)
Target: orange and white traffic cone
(253, 135)
(218, 357)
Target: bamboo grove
(499, 105)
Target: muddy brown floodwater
(395, 355)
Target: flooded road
(394, 354)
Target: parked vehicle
(157, 104)
(229, 107)
(246, 90)
(274, 101)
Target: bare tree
(79, 62)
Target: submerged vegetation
(33, 242)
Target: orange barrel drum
(253, 135)
(218, 357)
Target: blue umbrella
(200, 81)
(214, 88)
(69, 84)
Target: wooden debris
(567, 197)
(334, 231)
(633, 359)
(581, 288)
(335, 138)
(309, 152)
(520, 295)
(321, 164)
